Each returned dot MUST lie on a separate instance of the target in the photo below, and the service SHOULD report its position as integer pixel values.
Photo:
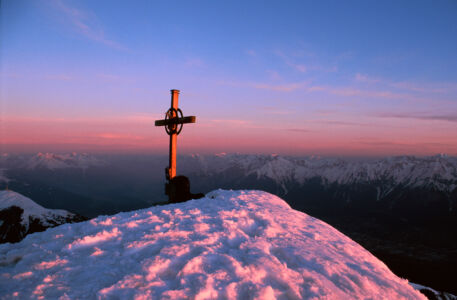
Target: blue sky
(295, 77)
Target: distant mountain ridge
(59, 161)
(51, 161)
(20, 216)
(438, 172)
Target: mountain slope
(20, 216)
(231, 244)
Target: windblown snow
(230, 244)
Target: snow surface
(31, 209)
(228, 245)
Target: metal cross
(173, 123)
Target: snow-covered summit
(60, 161)
(28, 217)
(230, 244)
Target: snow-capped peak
(31, 217)
(439, 171)
(9, 198)
(54, 161)
(230, 244)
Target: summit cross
(173, 123)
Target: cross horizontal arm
(184, 120)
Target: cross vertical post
(173, 136)
(173, 123)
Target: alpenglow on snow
(230, 244)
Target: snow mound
(230, 244)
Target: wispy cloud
(285, 87)
(295, 63)
(118, 136)
(273, 75)
(108, 77)
(349, 91)
(194, 62)
(452, 117)
(291, 63)
(275, 110)
(415, 145)
(281, 87)
(365, 78)
(86, 24)
(59, 77)
(251, 52)
(230, 122)
(339, 123)
(233, 123)
(135, 119)
(326, 112)
(301, 130)
(424, 87)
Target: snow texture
(228, 245)
(31, 209)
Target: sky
(330, 78)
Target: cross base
(178, 190)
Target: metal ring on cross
(174, 128)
